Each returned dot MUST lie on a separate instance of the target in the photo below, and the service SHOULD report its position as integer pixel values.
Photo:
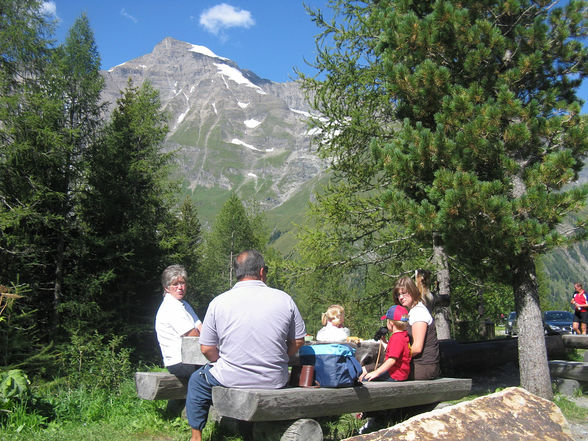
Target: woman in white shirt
(422, 332)
(175, 319)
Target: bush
(19, 408)
(88, 362)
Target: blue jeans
(384, 376)
(199, 397)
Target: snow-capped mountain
(234, 131)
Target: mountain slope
(233, 131)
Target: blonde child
(396, 366)
(332, 321)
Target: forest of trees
(451, 133)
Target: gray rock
(512, 414)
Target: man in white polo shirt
(248, 334)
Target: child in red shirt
(396, 366)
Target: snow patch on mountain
(244, 144)
(183, 114)
(242, 105)
(236, 76)
(205, 51)
(118, 65)
(301, 112)
(251, 123)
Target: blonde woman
(333, 329)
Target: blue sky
(268, 37)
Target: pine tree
(47, 133)
(234, 230)
(124, 208)
(464, 119)
(182, 242)
(76, 84)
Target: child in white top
(333, 329)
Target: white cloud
(124, 13)
(49, 8)
(223, 16)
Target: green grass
(78, 414)
(571, 410)
(105, 416)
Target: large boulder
(510, 414)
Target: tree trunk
(58, 284)
(534, 369)
(441, 312)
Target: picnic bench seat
(299, 402)
(572, 370)
(575, 341)
(292, 409)
(570, 376)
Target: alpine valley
(232, 131)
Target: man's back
(251, 324)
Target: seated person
(249, 333)
(332, 321)
(175, 319)
(396, 366)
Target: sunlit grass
(571, 410)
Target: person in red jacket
(580, 302)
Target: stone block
(567, 387)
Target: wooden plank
(159, 386)
(572, 370)
(295, 403)
(191, 351)
(575, 341)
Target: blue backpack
(335, 365)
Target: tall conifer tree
(234, 230)
(463, 119)
(124, 207)
(76, 83)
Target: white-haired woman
(175, 319)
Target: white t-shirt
(174, 318)
(251, 324)
(419, 313)
(331, 332)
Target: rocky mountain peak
(234, 130)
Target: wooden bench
(575, 341)
(298, 402)
(288, 413)
(309, 401)
(572, 370)
(570, 376)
